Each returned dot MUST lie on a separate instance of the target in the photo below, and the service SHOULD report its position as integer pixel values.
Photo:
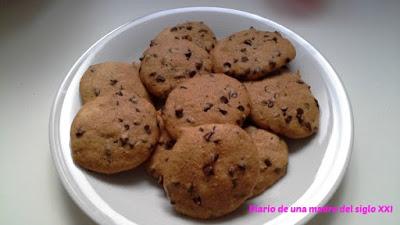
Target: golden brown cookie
(110, 77)
(251, 54)
(194, 31)
(212, 170)
(114, 133)
(169, 63)
(207, 98)
(272, 157)
(284, 103)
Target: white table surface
(41, 39)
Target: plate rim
(95, 214)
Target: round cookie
(109, 77)
(195, 31)
(172, 61)
(114, 133)
(159, 159)
(251, 54)
(272, 157)
(284, 104)
(207, 98)
(212, 170)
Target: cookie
(169, 63)
(159, 159)
(251, 54)
(212, 170)
(284, 104)
(114, 133)
(109, 77)
(194, 31)
(272, 158)
(207, 98)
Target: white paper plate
(316, 165)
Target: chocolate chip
(299, 114)
(179, 113)
(126, 126)
(308, 126)
(217, 141)
(183, 87)
(201, 129)
(275, 39)
(79, 133)
(123, 141)
(244, 59)
(224, 99)
(189, 28)
(288, 119)
(192, 73)
(141, 58)
(267, 162)
(119, 93)
(136, 123)
(268, 103)
(241, 166)
(223, 112)
(243, 50)
(152, 43)
(179, 77)
(227, 65)
(113, 82)
(197, 200)
(189, 120)
(247, 42)
(147, 129)
(272, 64)
(92, 70)
(235, 60)
(208, 170)
(96, 92)
(277, 170)
(169, 144)
(240, 108)
(199, 65)
(160, 79)
(299, 81)
(207, 107)
(208, 135)
(120, 120)
(173, 29)
(137, 110)
(287, 60)
(188, 55)
(152, 74)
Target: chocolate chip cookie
(109, 77)
(272, 158)
(169, 63)
(114, 133)
(284, 103)
(251, 54)
(207, 98)
(212, 171)
(194, 31)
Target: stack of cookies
(204, 117)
